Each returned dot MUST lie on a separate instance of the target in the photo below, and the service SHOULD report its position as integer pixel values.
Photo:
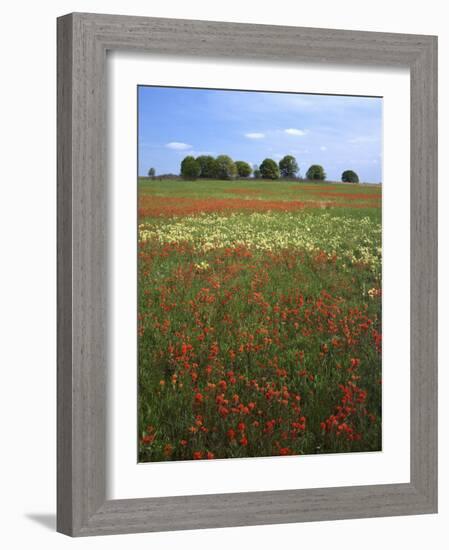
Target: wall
(27, 290)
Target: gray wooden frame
(83, 40)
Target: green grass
(261, 189)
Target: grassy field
(259, 318)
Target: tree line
(225, 168)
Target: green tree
(190, 168)
(269, 169)
(256, 172)
(316, 172)
(225, 167)
(208, 166)
(349, 176)
(243, 168)
(185, 161)
(288, 167)
(151, 172)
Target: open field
(175, 197)
(259, 318)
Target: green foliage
(243, 168)
(256, 172)
(151, 172)
(269, 169)
(316, 172)
(208, 166)
(349, 176)
(185, 161)
(190, 168)
(288, 167)
(225, 168)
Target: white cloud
(295, 132)
(178, 146)
(255, 135)
(323, 148)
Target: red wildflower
(198, 398)
(284, 451)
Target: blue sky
(338, 132)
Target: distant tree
(151, 172)
(269, 169)
(316, 172)
(349, 176)
(288, 167)
(190, 168)
(244, 170)
(208, 166)
(185, 161)
(225, 167)
(256, 172)
(169, 177)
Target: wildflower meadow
(259, 318)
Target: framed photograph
(247, 274)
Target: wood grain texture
(83, 40)
(64, 277)
(423, 274)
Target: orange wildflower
(168, 450)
